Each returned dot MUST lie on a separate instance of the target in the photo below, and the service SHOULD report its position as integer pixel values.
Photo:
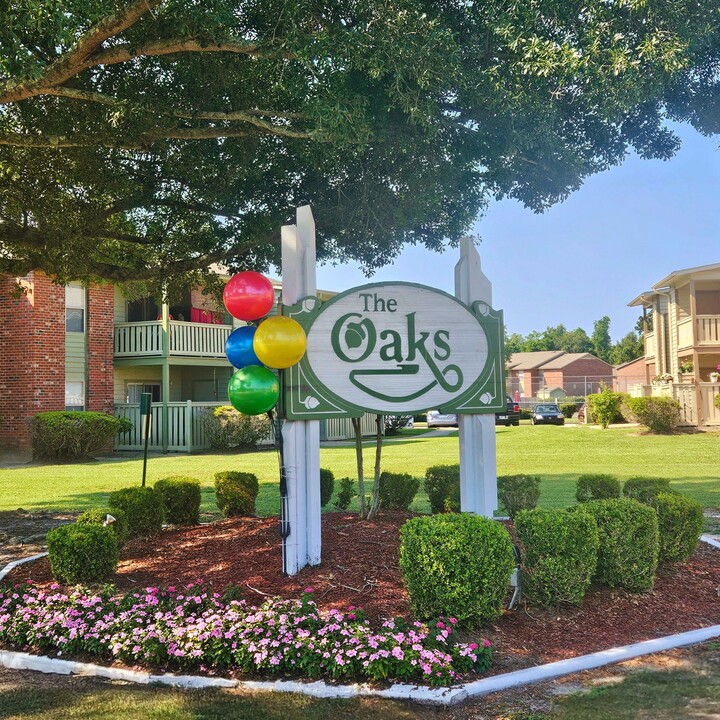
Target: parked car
(437, 419)
(547, 414)
(511, 416)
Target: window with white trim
(74, 308)
(135, 391)
(75, 395)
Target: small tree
(605, 405)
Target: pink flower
(309, 590)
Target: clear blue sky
(624, 230)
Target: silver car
(437, 419)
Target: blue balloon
(239, 347)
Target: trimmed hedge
(629, 543)
(456, 565)
(86, 553)
(518, 492)
(98, 516)
(645, 489)
(659, 414)
(143, 508)
(327, 485)
(680, 522)
(73, 434)
(235, 493)
(180, 499)
(597, 487)
(397, 490)
(559, 554)
(227, 428)
(442, 485)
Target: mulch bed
(360, 567)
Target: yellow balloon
(279, 342)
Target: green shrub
(395, 423)
(327, 485)
(346, 494)
(568, 409)
(235, 493)
(605, 407)
(559, 555)
(441, 483)
(645, 489)
(597, 487)
(680, 522)
(73, 435)
(456, 565)
(180, 499)
(98, 516)
(86, 553)
(227, 428)
(143, 508)
(397, 490)
(518, 492)
(629, 543)
(526, 413)
(659, 414)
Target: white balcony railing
(708, 329)
(145, 339)
(650, 344)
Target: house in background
(555, 374)
(681, 316)
(78, 348)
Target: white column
(478, 462)
(301, 439)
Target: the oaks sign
(395, 348)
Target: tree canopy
(147, 139)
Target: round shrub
(227, 428)
(441, 483)
(346, 493)
(73, 434)
(597, 487)
(659, 414)
(235, 493)
(98, 516)
(180, 498)
(629, 544)
(84, 553)
(559, 554)
(518, 492)
(143, 508)
(397, 490)
(327, 485)
(456, 565)
(645, 489)
(680, 522)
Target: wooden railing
(707, 329)
(144, 339)
(685, 333)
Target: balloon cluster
(277, 342)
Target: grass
(557, 454)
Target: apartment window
(135, 391)
(74, 308)
(75, 395)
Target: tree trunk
(378, 455)
(357, 426)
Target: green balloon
(253, 390)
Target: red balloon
(248, 295)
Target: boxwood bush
(518, 492)
(456, 565)
(85, 553)
(235, 492)
(442, 485)
(559, 554)
(227, 428)
(180, 499)
(629, 543)
(597, 487)
(98, 516)
(327, 485)
(143, 508)
(73, 435)
(659, 414)
(680, 522)
(397, 490)
(645, 489)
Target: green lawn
(557, 454)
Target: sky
(587, 257)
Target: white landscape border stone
(451, 695)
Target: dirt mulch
(360, 567)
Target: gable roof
(566, 359)
(532, 360)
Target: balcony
(650, 345)
(145, 339)
(707, 329)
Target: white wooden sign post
(301, 438)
